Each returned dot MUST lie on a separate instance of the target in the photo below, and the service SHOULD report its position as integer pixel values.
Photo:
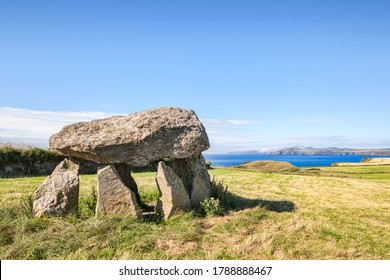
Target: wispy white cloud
(35, 127)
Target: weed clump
(218, 203)
(212, 207)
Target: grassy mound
(376, 160)
(269, 166)
(365, 161)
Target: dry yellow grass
(335, 218)
(376, 160)
(365, 162)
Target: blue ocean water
(299, 161)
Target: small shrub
(92, 200)
(227, 199)
(87, 204)
(219, 191)
(212, 207)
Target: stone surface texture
(114, 197)
(173, 196)
(196, 179)
(58, 194)
(137, 139)
(200, 190)
(124, 172)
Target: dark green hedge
(28, 157)
(26, 161)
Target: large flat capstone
(137, 139)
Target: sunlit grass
(342, 217)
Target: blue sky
(260, 74)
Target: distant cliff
(331, 151)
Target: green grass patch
(381, 172)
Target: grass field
(340, 213)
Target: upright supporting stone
(201, 184)
(198, 167)
(200, 191)
(114, 197)
(59, 193)
(173, 196)
(124, 171)
(196, 179)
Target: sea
(228, 160)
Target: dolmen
(119, 144)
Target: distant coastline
(289, 151)
(228, 160)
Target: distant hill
(269, 166)
(299, 150)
